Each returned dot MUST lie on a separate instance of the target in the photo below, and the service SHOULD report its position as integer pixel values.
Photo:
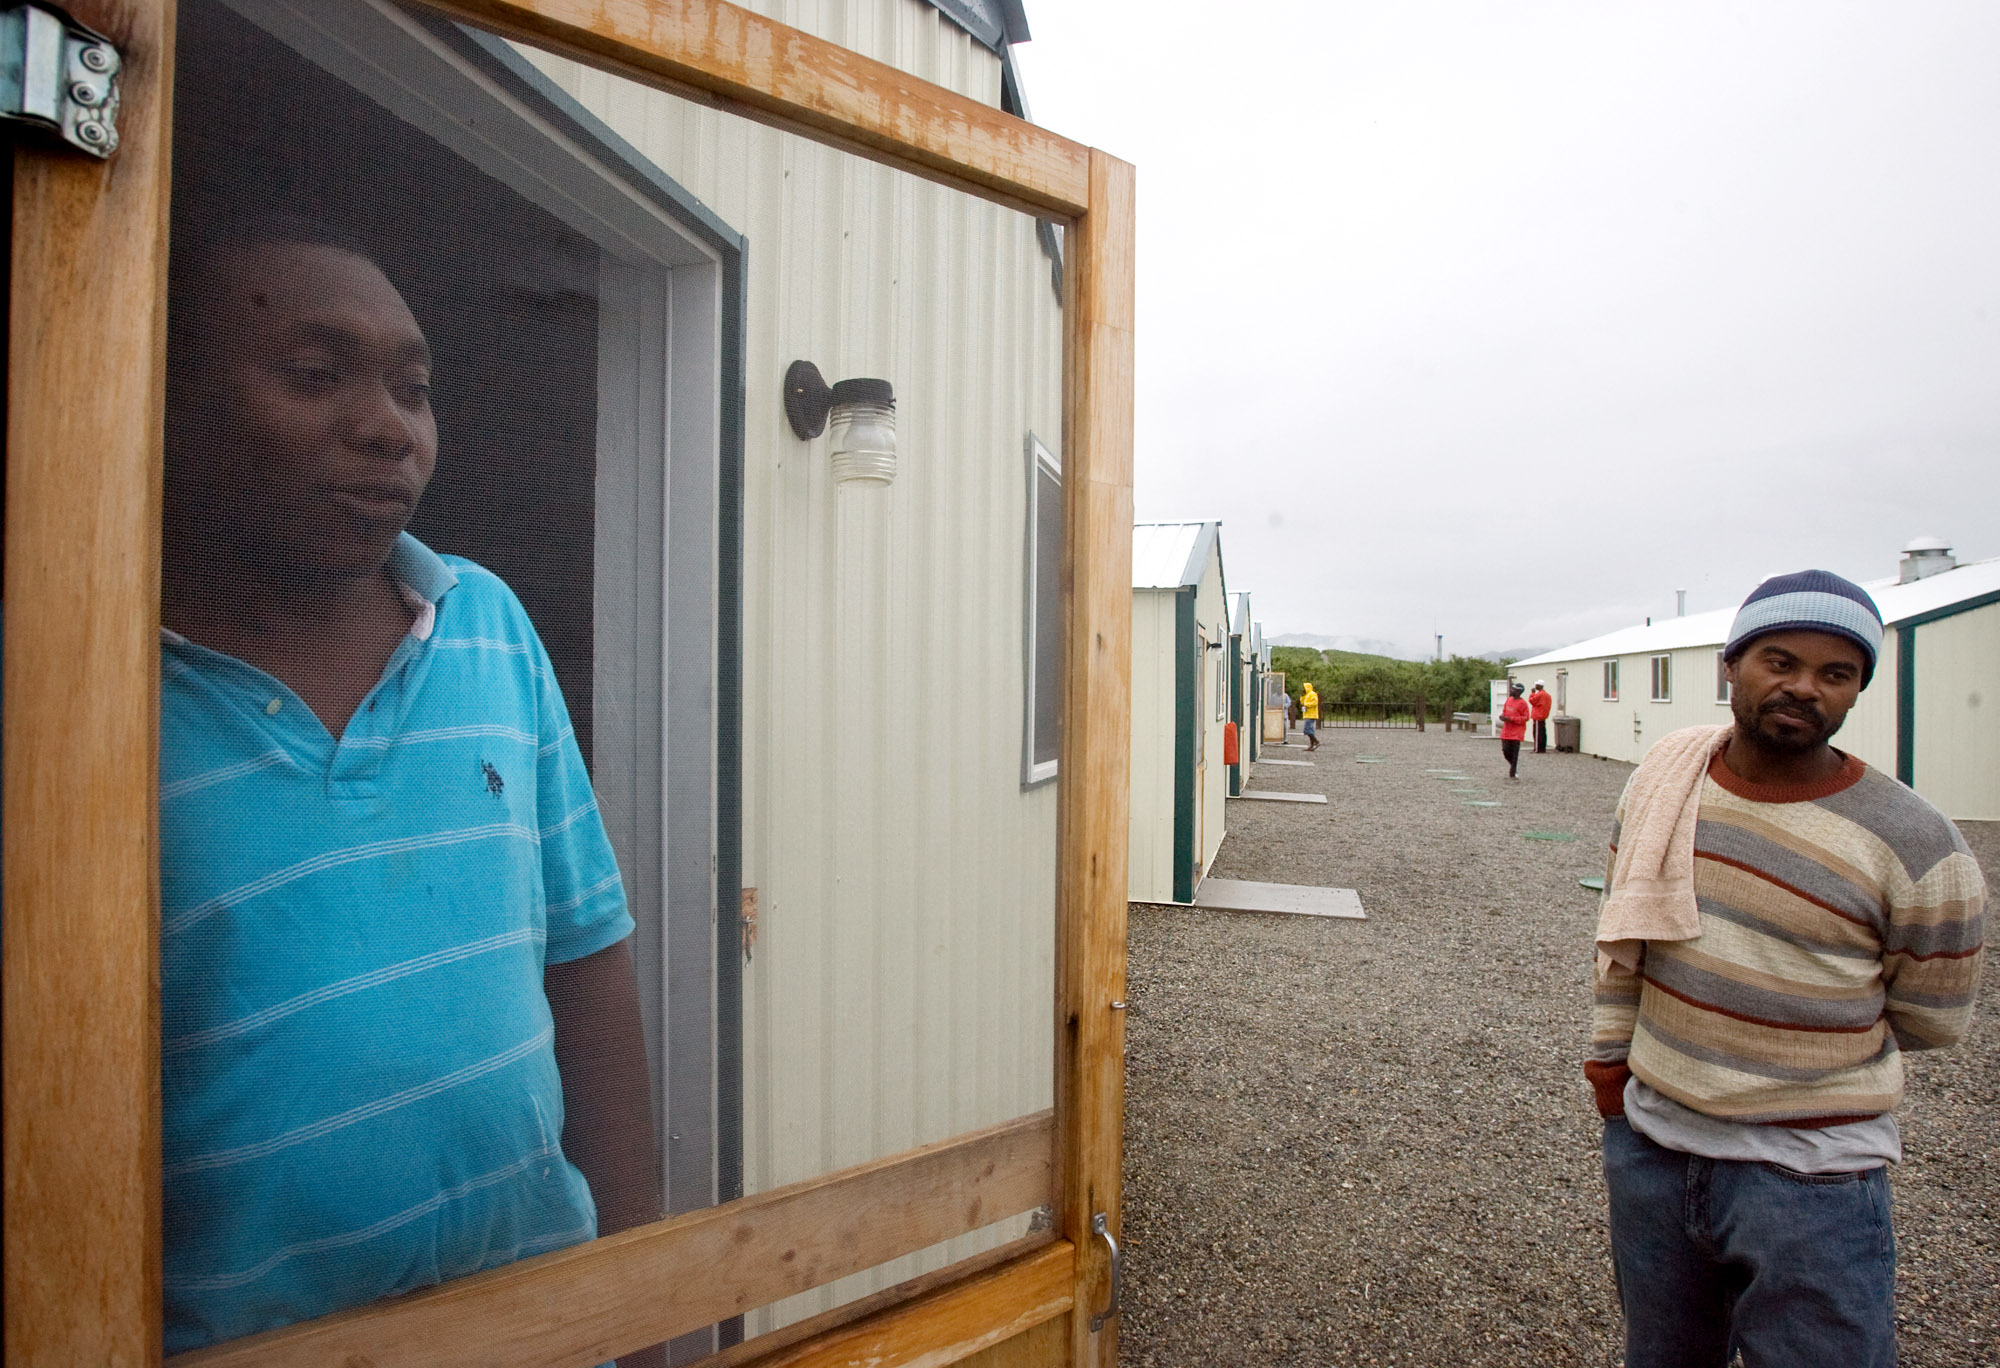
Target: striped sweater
(1841, 924)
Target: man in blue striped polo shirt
(400, 1031)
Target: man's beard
(1751, 723)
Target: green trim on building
(1949, 610)
(1906, 677)
(1253, 744)
(1236, 710)
(1187, 688)
(1906, 703)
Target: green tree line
(1459, 684)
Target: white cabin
(1930, 716)
(1180, 707)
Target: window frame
(670, 346)
(1200, 718)
(81, 872)
(1222, 677)
(1611, 681)
(1661, 685)
(1035, 773)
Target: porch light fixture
(863, 416)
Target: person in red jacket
(1513, 728)
(1539, 703)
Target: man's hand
(607, 1094)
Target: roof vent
(1924, 557)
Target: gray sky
(1517, 317)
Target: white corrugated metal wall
(1956, 757)
(1243, 708)
(1870, 729)
(1625, 729)
(1211, 615)
(1156, 660)
(1150, 874)
(902, 988)
(1957, 740)
(1622, 730)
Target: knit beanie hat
(1809, 601)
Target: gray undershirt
(1848, 1148)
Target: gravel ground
(1370, 1142)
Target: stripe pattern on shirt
(359, 1090)
(1837, 932)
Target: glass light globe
(864, 435)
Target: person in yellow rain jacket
(1309, 709)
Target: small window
(1042, 713)
(1201, 703)
(1222, 684)
(1562, 692)
(1610, 681)
(1663, 679)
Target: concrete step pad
(1238, 895)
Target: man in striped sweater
(1749, 1075)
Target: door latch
(1100, 1226)
(59, 77)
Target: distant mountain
(1352, 644)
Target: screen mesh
(515, 648)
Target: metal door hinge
(58, 76)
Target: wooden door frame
(80, 882)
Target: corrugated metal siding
(1244, 705)
(1958, 714)
(1211, 614)
(1623, 730)
(1150, 873)
(1601, 727)
(1957, 710)
(1607, 729)
(1154, 719)
(902, 986)
(1870, 729)
(909, 36)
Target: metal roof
(1170, 555)
(995, 23)
(1239, 616)
(1923, 597)
(1897, 602)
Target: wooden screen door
(86, 381)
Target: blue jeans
(1713, 1256)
